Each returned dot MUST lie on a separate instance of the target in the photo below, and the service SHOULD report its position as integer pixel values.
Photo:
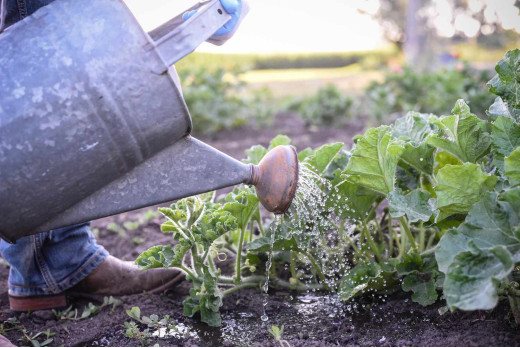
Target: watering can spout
(276, 179)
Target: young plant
(277, 333)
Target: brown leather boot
(4, 342)
(112, 278)
(116, 278)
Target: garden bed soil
(311, 319)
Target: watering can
(93, 122)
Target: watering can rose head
(276, 178)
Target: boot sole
(36, 303)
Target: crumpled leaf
(374, 160)
(255, 154)
(472, 279)
(414, 128)
(419, 277)
(304, 154)
(506, 138)
(498, 109)
(323, 157)
(463, 135)
(279, 140)
(416, 205)
(512, 166)
(491, 222)
(213, 224)
(242, 204)
(359, 280)
(459, 187)
(442, 159)
(506, 84)
(351, 200)
(162, 256)
(205, 298)
(263, 244)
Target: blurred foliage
(327, 107)
(427, 92)
(284, 60)
(216, 100)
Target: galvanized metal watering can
(93, 121)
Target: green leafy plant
(33, 339)
(429, 204)
(133, 331)
(277, 333)
(426, 92)
(89, 311)
(217, 101)
(327, 107)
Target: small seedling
(89, 311)
(33, 339)
(277, 333)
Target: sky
(283, 25)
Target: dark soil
(310, 319)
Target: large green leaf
(279, 140)
(359, 280)
(420, 157)
(471, 281)
(512, 166)
(242, 204)
(414, 127)
(419, 277)
(255, 154)
(506, 138)
(498, 109)
(459, 187)
(463, 135)
(263, 244)
(506, 84)
(324, 156)
(491, 222)
(416, 205)
(352, 201)
(205, 298)
(374, 160)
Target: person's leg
(49, 263)
(46, 266)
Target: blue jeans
(50, 262)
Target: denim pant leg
(52, 262)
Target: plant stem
(430, 241)
(261, 228)
(409, 234)
(422, 237)
(293, 264)
(189, 272)
(370, 241)
(238, 268)
(240, 287)
(317, 268)
(252, 231)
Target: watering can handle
(177, 38)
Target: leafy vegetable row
(429, 205)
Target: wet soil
(310, 319)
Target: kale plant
(429, 205)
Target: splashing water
(274, 225)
